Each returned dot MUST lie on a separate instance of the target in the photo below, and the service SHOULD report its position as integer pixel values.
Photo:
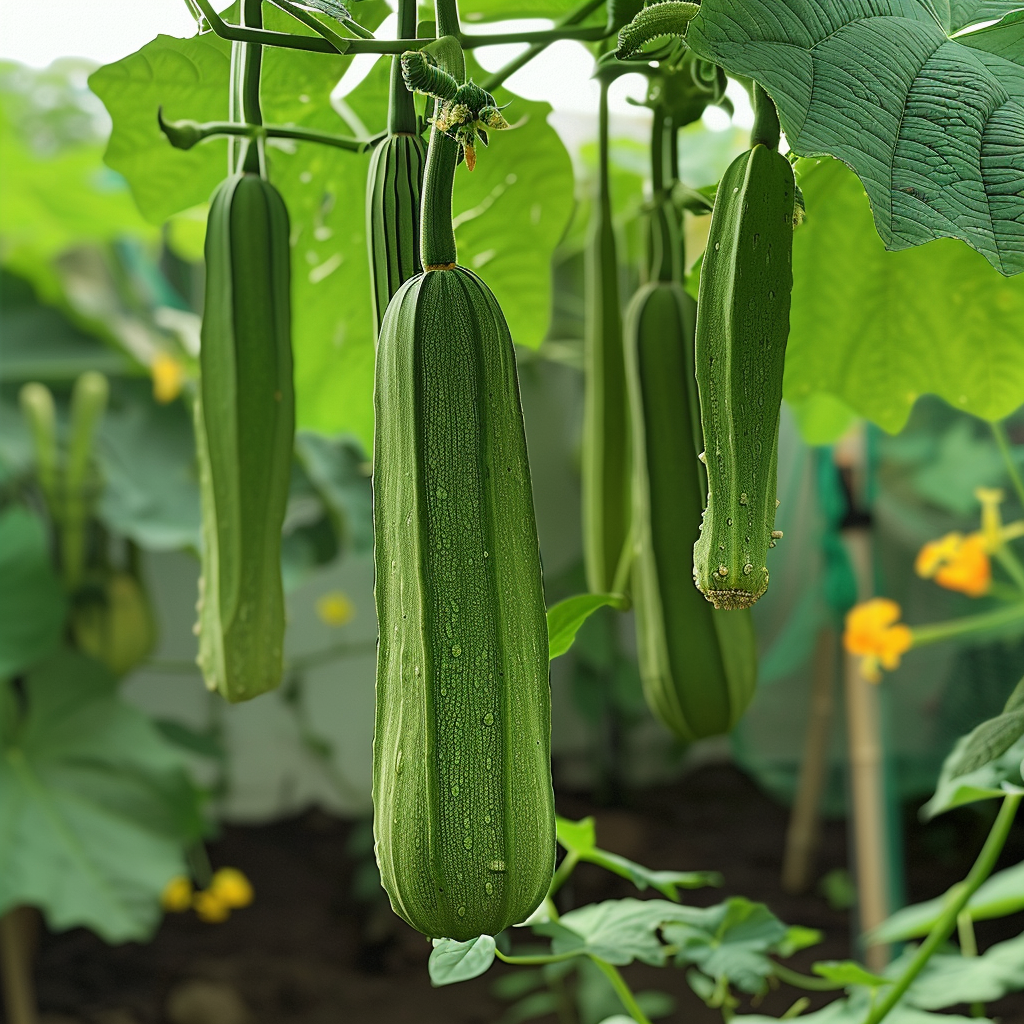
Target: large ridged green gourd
(463, 804)
(394, 186)
(605, 457)
(698, 665)
(461, 754)
(742, 328)
(245, 425)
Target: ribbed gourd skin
(742, 327)
(393, 190)
(245, 426)
(463, 804)
(698, 665)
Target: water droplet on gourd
(455, 790)
(728, 521)
(488, 888)
(723, 570)
(467, 842)
(747, 569)
(488, 719)
(743, 498)
(456, 651)
(462, 911)
(718, 245)
(496, 865)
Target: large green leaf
(32, 604)
(876, 329)
(933, 125)
(96, 807)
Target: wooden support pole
(805, 819)
(867, 784)
(16, 954)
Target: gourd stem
(249, 106)
(239, 33)
(959, 897)
(447, 14)
(766, 130)
(437, 234)
(603, 177)
(658, 151)
(401, 103)
(673, 151)
(661, 242)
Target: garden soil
(320, 946)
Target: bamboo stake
(805, 820)
(866, 773)
(16, 966)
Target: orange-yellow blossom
(957, 562)
(873, 630)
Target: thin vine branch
(999, 433)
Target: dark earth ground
(308, 952)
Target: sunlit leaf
(872, 330)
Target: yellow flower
(873, 630)
(231, 887)
(210, 907)
(957, 562)
(177, 896)
(168, 376)
(334, 608)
